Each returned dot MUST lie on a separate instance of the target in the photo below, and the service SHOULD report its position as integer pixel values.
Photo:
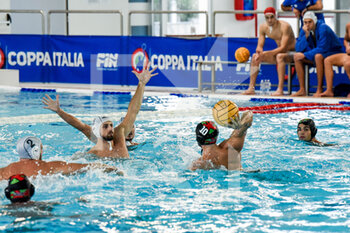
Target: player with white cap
(30, 151)
(110, 141)
(316, 42)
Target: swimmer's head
(270, 11)
(19, 189)
(131, 135)
(206, 133)
(270, 16)
(29, 148)
(102, 127)
(306, 129)
(310, 15)
(310, 20)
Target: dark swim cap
(206, 133)
(311, 124)
(19, 189)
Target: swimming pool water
(299, 187)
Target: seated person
(339, 59)
(30, 150)
(316, 42)
(19, 189)
(299, 8)
(282, 33)
(227, 153)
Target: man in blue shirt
(299, 7)
(316, 42)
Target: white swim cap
(29, 148)
(96, 125)
(310, 15)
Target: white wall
(31, 23)
(97, 24)
(227, 24)
(4, 28)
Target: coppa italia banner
(109, 60)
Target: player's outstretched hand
(146, 74)
(53, 105)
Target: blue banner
(109, 60)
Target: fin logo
(2, 58)
(107, 61)
(139, 59)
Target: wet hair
(311, 124)
(19, 189)
(206, 133)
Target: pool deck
(181, 92)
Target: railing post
(41, 12)
(213, 78)
(168, 12)
(129, 23)
(83, 12)
(307, 79)
(213, 24)
(289, 70)
(199, 76)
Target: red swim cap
(269, 11)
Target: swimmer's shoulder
(263, 28)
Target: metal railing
(261, 12)
(232, 12)
(82, 12)
(29, 12)
(213, 82)
(331, 12)
(169, 12)
(214, 14)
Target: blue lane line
(112, 93)
(187, 95)
(271, 100)
(37, 90)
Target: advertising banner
(109, 60)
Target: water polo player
(227, 153)
(110, 142)
(30, 150)
(307, 132)
(19, 189)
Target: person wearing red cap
(282, 33)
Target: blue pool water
(299, 188)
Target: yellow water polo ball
(242, 54)
(223, 111)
